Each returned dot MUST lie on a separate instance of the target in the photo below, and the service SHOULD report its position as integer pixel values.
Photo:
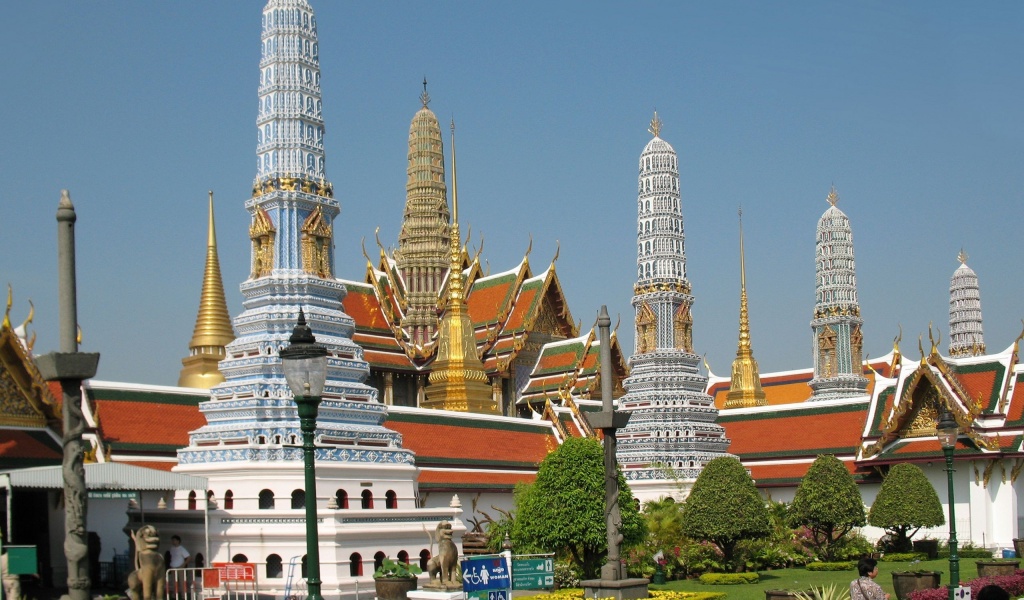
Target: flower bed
(1014, 584)
(577, 594)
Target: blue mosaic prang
(672, 431)
(251, 417)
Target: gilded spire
(833, 197)
(422, 255)
(655, 126)
(458, 380)
(213, 324)
(745, 389)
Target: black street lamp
(305, 367)
(947, 431)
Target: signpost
(486, 578)
(533, 573)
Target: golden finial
(655, 126)
(425, 97)
(78, 338)
(10, 303)
(962, 257)
(833, 197)
(376, 236)
(455, 182)
(558, 250)
(369, 262)
(529, 248)
(31, 315)
(896, 340)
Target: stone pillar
(612, 584)
(70, 367)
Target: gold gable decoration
(25, 399)
(683, 328)
(316, 244)
(262, 233)
(915, 413)
(646, 329)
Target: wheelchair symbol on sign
(497, 595)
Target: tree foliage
(725, 507)
(828, 503)
(907, 501)
(563, 510)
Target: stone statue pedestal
(620, 589)
(428, 594)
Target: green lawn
(801, 579)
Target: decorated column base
(620, 589)
(436, 595)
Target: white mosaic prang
(672, 431)
(836, 327)
(966, 337)
(253, 407)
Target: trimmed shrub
(845, 565)
(725, 507)
(967, 553)
(906, 502)
(577, 594)
(902, 556)
(728, 578)
(828, 503)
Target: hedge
(847, 565)
(728, 578)
(903, 556)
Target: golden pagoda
(213, 324)
(457, 379)
(745, 388)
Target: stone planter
(904, 582)
(995, 568)
(394, 588)
(929, 547)
(781, 594)
(1018, 545)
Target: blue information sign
(486, 573)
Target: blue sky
(913, 110)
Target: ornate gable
(25, 399)
(931, 387)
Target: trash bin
(1009, 553)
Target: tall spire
(457, 379)
(966, 337)
(672, 432)
(292, 210)
(213, 324)
(745, 388)
(422, 255)
(836, 326)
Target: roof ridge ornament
(655, 126)
(833, 197)
(425, 97)
(962, 256)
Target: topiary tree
(724, 507)
(562, 511)
(907, 501)
(828, 503)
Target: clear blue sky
(913, 110)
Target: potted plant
(904, 582)
(394, 580)
(995, 568)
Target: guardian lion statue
(444, 564)
(146, 582)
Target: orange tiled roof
(981, 381)
(361, 304)
(127, 417)
(491, 297)
(766, 475)
(805, 431)
(29, 448)
(439, 479)
(159, 465)
(1015, 411)
(441, 439)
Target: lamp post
(947, 431)
(305, 367)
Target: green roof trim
(475, 424)
(803, 411)
(800, 452)
(188, 399)
(883, 398)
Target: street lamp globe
(947, 430)
(304, 361)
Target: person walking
(864, 587)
